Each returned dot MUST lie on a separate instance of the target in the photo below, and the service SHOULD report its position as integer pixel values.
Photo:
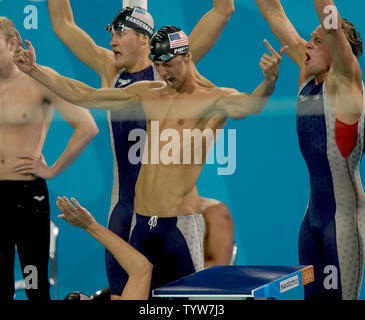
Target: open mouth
(117, 54)
(170, 81)
(308, 58)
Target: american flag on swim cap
(144, 16)
(178, 39)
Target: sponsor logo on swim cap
(140, 24)
(288, 284)
(178, 39)
(143, 19)
(178, 50)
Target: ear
(13, 44)
(144, 40)
(187, 57)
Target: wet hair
(353, 37)
(7, 28)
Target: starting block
(238, 282)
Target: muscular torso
(24, 121)
(164, 189)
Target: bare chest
(22, 106)
(180, 111)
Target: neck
(321, 78)
(9, 72)
(190, 81)
(140, 65)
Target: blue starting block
(238, 282)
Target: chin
(118, 63)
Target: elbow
(147, 268)
(87, 129)
(93, 130)
(144, 269)
(61, 23)
(257, 111)
(57, 25)
(227, 12)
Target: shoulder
(218, 93)
(148, 86)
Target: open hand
(73, 213)
(24, 59)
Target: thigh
(311, 252)
(8, 226)
(7, 250)
(183, 249)
(120, 224)
(32, 238)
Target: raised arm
(77, 40)
(85, 96)
(283, 29)
(240, 105)
(137, 266)
(345, 63)
(77, 92)
(209, 28)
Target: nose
(309, 45)
(162, 71)
(113, 42)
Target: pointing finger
(270, 48)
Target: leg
(332, 282)
(7, 244)
(7, 250)
(311, 253)
(183, 249)
(33, 240)
(119, 223)
(318, 248)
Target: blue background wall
(269, 191)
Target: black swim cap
(76, 295)
(167, 43)
(136, 18)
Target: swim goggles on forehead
(162, 57)
(117, 27)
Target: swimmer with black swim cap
(125, 64)
(167, 43)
